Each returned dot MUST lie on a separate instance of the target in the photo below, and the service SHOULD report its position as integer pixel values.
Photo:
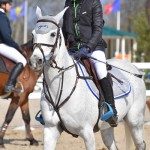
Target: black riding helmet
(5, 1)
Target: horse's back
(125, 65)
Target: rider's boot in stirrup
(10, 85)
(109, 98)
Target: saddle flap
(3, 79)
(91, 71)
(6, 65)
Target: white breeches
(99, 66)
(12, 54)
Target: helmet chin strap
(5, 8)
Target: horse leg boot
(10, 85)
(109, 98)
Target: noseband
(39, 45)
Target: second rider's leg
(17, 57)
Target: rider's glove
(82, 52)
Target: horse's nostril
(40, 61)
(29, 62)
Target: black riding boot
(109, 98)
(10, 85)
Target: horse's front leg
(8, 118)
(26, 117)
(88, 137)
(108, 138)
(52, 130)
(51, 135)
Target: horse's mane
(27, 48)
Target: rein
(58, 104)
(136, 75)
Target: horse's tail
(129, 140)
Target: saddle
(91, 71)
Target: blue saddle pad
(120, 89)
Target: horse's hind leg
(136, 131)
(88, 137)
(108, 138)
(8, 118)
(26, 117)
(135, 122)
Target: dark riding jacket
(83, 24)
(5, 32)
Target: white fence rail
(143, 66)
(37, 95)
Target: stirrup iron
(106, 111)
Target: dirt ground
(15, 135)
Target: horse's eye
(53, 34)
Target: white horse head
(46, 38)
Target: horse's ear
(38, 12)
(60, 15)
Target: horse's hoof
(112, 121)
(33, 142)
(1, 143)
(2, 146)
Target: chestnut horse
(148, 104)
(28, 79)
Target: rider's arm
(5, 32)
(97, 24)
(64, 30)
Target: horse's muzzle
(36, 64)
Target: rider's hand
(82, 52)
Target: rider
(8, 47)
(82, 29)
